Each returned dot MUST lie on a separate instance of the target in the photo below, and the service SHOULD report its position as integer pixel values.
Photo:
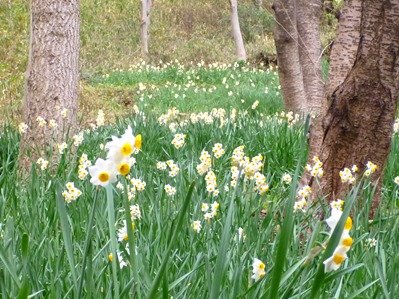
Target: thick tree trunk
(235, 26)
(362, 94)
(52, 75)
(145, 25)
(297, 38)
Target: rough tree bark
(52, 75)
(146, 6)
(362, 93)
(297, 38)
(235, 26)
(358, 110)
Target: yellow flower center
(347, 242)
(103, 176)
(262, 266)
(348, 224)
(110, 257)
(127, 149)
(125, 237)
(124, 169)
(137, 143)
(261, 275)
(338, 259)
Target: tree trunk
(235, 26)
(145, 24)
(362, 94)
(297, 38)
(52, 75)
(358, 110)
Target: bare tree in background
(52, 75)
(146, 6)
(297, 38)
(360, 100)
(235, 26)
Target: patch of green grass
(196, 88)
(55, 249)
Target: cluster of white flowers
(302, 196)
(41, 121)
(118, 159)
(161, 165)
(345, 242)
(170, 190)
(83, 164)
(210, 212)
(238, 159)
(255, 104)
(64, 112)
(258, 269)
(347, 175)
(316, 170)
(174, 169)
(253, 166)
(135, 212)
(61, 147)
(53, 124)
(171, 115)
(250, 168)
(43, 163)
(22, 128)
(211, 183)
(286, 178)
(218, 150)
(205, 163)
(289, 117)
(136, 185)
(197, 226)
(370, 168)
(178, 140)
(78, 139)
(371, 242)
(100, 120)
(72, 193)
(261, 185)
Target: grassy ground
(190, 31)
(53, 249)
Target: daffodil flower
(102, 173)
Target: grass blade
(66, 234)
(165, 260)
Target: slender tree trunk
(52, 75)
(146, 6)
(235, 26)
(297, 38)
(362, 94)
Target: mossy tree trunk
(52, 76)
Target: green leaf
(178, 228)
(66, 234)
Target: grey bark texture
(297, 38)
(52, 74)
(146, 6)
(236, 30)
